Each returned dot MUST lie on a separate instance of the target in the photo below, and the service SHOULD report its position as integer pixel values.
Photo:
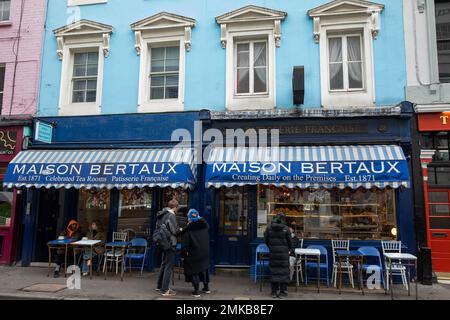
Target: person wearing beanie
(277, 237)
(195, 252)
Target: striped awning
(118, 168)
(309, 166)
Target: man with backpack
(165, 238)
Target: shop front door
(439, 233)
(233, 245)
(47, 222)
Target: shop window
(438, 175)
(134, 212)
(439, 142)
(331, 213)
(6, 199)
(233, 213)
(2, 84)
(93, 205)
(443, 38)
(439, 202)
(5, 10)
(179, 194)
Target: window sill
(79, 109)
(5, 23)
(161, 106)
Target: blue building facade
(327, 74)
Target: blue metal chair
(373, 260)
(260, 264)
(323, 264)
(137, 251)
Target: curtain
(260, 64)
(243, 69)
(354, 59)
(335, 63)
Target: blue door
(233, 241)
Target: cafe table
(411, 260)
(353, 257)
(315, 253)
(88, 244)
(120, 246)
(57, 244)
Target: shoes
(206, 290)
(274, 295)
(196, 294)
(283, 294)
(85, 274)
(158, 290)
(169, 293)
(56, 274)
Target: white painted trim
(84, 2)
(427, 154)
(66, 107)
(145, 105)
(430, 108)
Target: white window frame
(354, 97)
(160, 105)
(2, 12)
(345, 62)
(84, 2)
(251, 67)
(66, 106)
(2, 88)
(234, 101)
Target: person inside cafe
(278, 238)
(295, 244)
(195, 252)
(73, 231)
(95, 233)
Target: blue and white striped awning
(119, 168)
(309, 166)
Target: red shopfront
(11, 139)
(435, 144)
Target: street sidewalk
(223, 286)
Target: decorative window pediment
(251, 14)
(343, 9)
(161, 22)
(82, 29)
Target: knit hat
(193, 215)
(280, 217)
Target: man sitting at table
(72, 232)
(95, 233)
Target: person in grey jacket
(167, 216)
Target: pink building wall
(29, 46)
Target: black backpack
(161, 236)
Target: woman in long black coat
(195, 252)
(278, 239)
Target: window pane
(4, 11)
(157, 93)
(172, 65)
(439, 210)
(91, 96)
(157, 81)
(93, 58)
(260, 80)
(243, 59)
(78, 96)
(134, 212)
(93, 205)
(335, 49)
(443, 176)
(80, 58)
(92, 84)
(79, 71)
(173, 53)
(439, 223)
(443, 39)
(157, 53)
(92, 70)
(260, 54)
(243, 81)
(171, 92)
(157, 66)
(438, 197)
(354, 48)
(233, 211)
(336, 76)
(355, 75)
(172, 80)
(79, 85)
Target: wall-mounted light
(394, 231)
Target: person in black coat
(278, 238)
(195, 252)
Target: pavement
(224, 286)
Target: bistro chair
(398, 269)
(137, 251)
(298, 262)
(260, 264)
(372, 260)
(346, 266)
(115, 256)
(323, 263)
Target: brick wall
(29, 55)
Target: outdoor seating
(397, 268)
(137, 251)
(372, 260)
(261, 263)
(323, 263)
(345, 266)
(115, 256)
(298, 268)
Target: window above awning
(119, 168)
(316, 167)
